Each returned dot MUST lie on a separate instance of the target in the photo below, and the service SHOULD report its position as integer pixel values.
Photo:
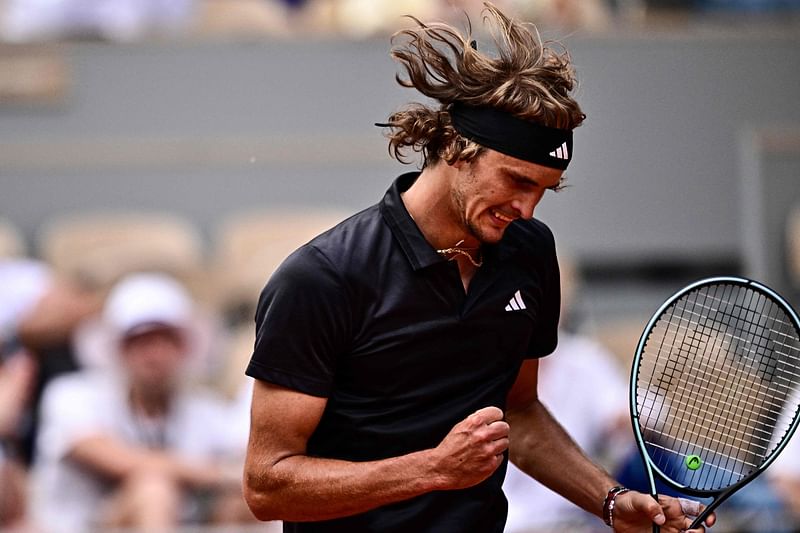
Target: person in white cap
(129, 448)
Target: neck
(151, 403)
(430, 204)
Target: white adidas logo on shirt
(516, 303)
(562, 152)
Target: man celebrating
(396, 354)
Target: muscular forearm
(281, 485)
(541, 448)
(302, 488)
(282, 482)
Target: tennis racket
(715, 387)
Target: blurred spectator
(12, 243)
(670, 4)
(365, 18)
(117, 20)
(294, 4)
(566, 14)
(22, 284)
(361, 19)
(598, 422)
(134, 446)
(784, 474)
(17, 370)
(242, 18)
(39, 312)
(17, 373)
(126, 20)
(751, 6)
(793, 251)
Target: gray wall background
(205, 129)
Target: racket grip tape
(656, 527)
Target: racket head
(715, 385)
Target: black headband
(510, 135)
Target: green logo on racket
(693, 462)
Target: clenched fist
(473, 449)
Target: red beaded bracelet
(608, 504)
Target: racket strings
(726, 424)
(696, 339)
(706, 340)
(757, 439)
(737, 453)
(732, 472)
(732, 354)
(785, 380)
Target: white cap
(141, 302)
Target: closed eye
(525, 182)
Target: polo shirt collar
(418, 250)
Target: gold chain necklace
(462, 251)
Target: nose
(525, 205)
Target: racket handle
(699, 520)
(656, 527)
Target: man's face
(154, 358)
(494, 189)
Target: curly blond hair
(528, 78)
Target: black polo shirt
(369, 316)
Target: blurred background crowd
(159, 158)
(125, 20)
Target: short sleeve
(68, 413)
(302, 324)
(545, 340)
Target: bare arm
(56, 315)
(17, 376)
(543, 449)
(116, 460)
(281, 482)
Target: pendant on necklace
(457, 250)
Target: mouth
(502, 217)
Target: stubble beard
(472, 226)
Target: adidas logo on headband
(562, 152)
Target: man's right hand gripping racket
(715, 387)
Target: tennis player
(396, 354)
